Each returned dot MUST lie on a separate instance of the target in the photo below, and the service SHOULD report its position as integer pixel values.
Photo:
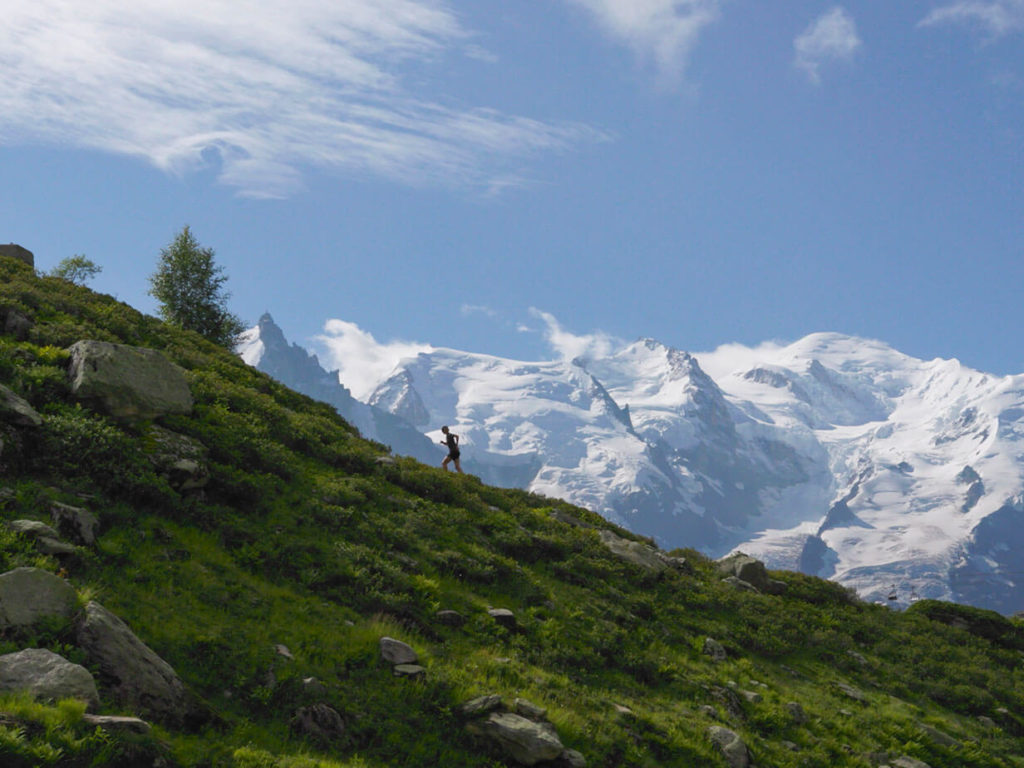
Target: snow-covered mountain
(834, 455)
(265, 348)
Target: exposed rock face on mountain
(264, 347)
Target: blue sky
(489, 174)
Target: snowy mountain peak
(834, 454)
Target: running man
(452, 441)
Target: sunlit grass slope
(304, 538)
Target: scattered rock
(729, 700)
(852, 693)
(937, 736)
(30, 594)
(565, 517)
(525, 741)
(409, 670)
(752, 696)
(115, 723)
(386, 460)
(76, 523)
(529, 710)
(127, 382)
(858, 657)
(313, 687)
(737, 583)
(708, 711)
(134, 673)
(680, 564)
(481, 705)
(750, 570)
(570, 758)
(55, 547)
(909, 762)
(33, 529)
(796, 712)
(503, 616)
(282, 651)
(396, 652)
(47, 677)
(622, 710)
(16, 410)
(634, 552)
(450, 618)
(730, 745)
(179, 458)
(714, 649)
(319, 722)
(986, 721)
(15, 324)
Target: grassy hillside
(305, 538)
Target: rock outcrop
(16, 410)
(75, 523)
(526, 741)
(633, 551)
(28, 595)
(131, 670)
(17, 252)
(751, 571)
(47, 677)
(127, 382)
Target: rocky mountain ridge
(833, 455)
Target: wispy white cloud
(662, 31)
(267, 89)
(730, 358)
(361, 360)
(831, 37)
(995, 17)
(476, 309)
(568, 346)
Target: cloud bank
(568, 346)
(664, 31)
(831, 37)
(995, 17)
(362, 362)
(264, 90)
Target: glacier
(834, 455)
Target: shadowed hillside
(263, 550)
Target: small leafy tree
(76, 269)
(190, 289)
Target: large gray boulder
(46, 539)
(633, 551)
(76, 523)
(127, 382)
(47, 677)
(730, 745)
(30, 594)
(13, 251)
(750, 570)
(136, 676)
(525, 741)
(16, 410)
(397, 652)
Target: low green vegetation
(309, 537)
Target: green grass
(303, 539)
